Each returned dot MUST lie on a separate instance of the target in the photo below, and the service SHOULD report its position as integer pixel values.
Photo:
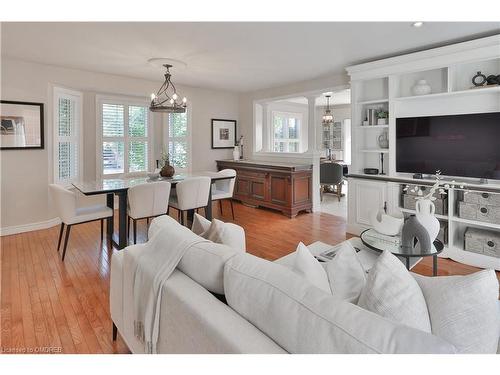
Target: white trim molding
(15, 229)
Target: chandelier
(327, 117)
(166, 99)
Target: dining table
(119, 187)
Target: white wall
(25, 174)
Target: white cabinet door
(369, 196)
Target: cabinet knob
(490, 243)
(485, 195)
(483, 210)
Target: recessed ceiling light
(417, 24)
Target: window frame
(58, 93)
(126, 101)
(188, 138)
(287, 141)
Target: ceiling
(231, 56)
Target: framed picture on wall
(21, 125)
(223, 133)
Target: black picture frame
(41, 125)
(217, 142)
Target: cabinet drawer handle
(490, 243)
(485, 195)
(483, 210)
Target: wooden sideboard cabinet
(280, 186)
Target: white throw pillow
(217, 231)
(346, 274)
(306, 265)
(463, 310)
(391, 292)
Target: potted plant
(382, 116)
(167, 169)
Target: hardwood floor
(63, 307)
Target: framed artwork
(21, 125)
(223, 133)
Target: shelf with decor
(376, 150)
(471, 91)
(376, 101)
(372, 127)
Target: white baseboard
(6, 231)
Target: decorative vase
(421, 88)
(167, 171)
(425, 216)
(383, 140)
(236, 153)
(382, 121)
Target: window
(67, 135)
(286, 131)
(125, 137)
(178, 140)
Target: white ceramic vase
(425, 216)
(236, 153)
(421, 88)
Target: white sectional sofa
(220, 300)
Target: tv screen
(458, 145)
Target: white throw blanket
(159, 258)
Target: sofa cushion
(345, 273)
(217, 231)
(464, 310)
(391, 292)
(306, 265)
(303, 319)
(203, 262)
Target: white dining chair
(190, 194)
(66, 207)
(223, 189)
(146, 201)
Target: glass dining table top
(380, 242)
(111, 185)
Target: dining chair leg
(128, 227)
(182, 217)
(232, 208)
(102, 229)
(339, 191)
(60, 236)
(321, 190)
(66, 238)
(115, 331)
(220, 207)
(135, 230)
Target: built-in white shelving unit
(388, 84)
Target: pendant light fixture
(167, 99)
(327, 117)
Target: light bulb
(417, 24)
(153, 96)
(184, 100)
(174, 96)
(171, 101)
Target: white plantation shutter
(125, 137)
(67, 135)
(178, 140)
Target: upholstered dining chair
(189, 194)
(70, 214)
(223, 189)
(331, 174)
(146, 201)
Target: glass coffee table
(379, 242)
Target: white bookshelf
(388, 84)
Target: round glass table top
(382, 242)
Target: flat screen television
(458, 145)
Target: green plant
(382, 113)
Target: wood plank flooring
(51, 306)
